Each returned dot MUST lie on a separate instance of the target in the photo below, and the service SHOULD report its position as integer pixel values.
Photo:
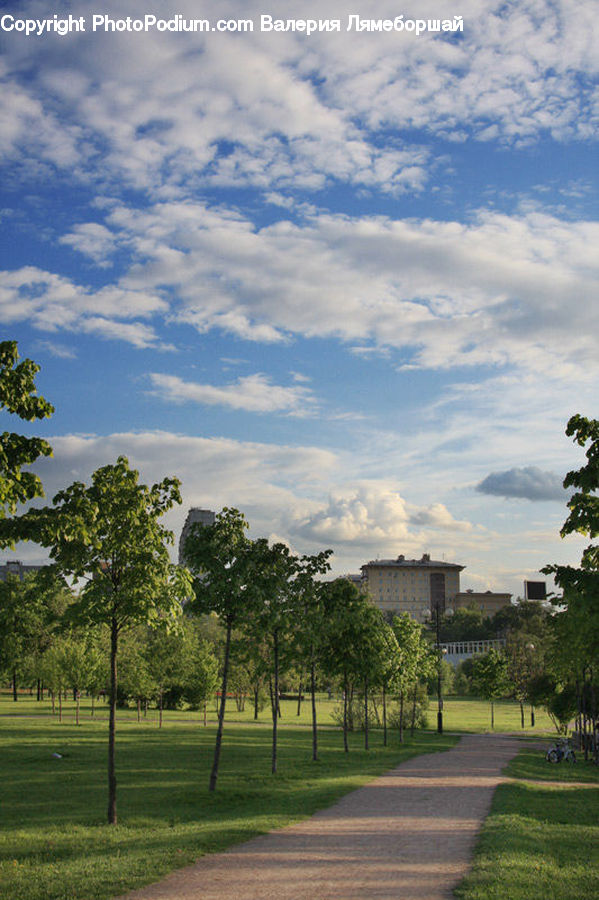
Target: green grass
(54, 844)
(541, 841)
(473, 715)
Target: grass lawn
(54, 844)
(472, 715)
(541, 840)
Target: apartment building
(415, 586)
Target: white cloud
(92, 239)
(170, 111)
(374, 514)
(495, 291)
(252, 393)
(52, 303)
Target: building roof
(425, 562)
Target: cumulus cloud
(252, 393)
(529, 483)
(372, 514)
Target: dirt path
(409, 834)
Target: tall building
(415, 586)
(195, 514)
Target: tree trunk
(53, 703)
(366, 747)
(314, 725)
(275, 717)
(532, 716)
(15, 696)
(492, 716)
(384, 715)
(401, 710)
(114, 638)
(221, 712)
(299, 695)
(205, 712)
(345, 693)
(160, 709)
(414, 702)
(39, 690)
(60, 706)
(139, 709)
(77, 702)
(521, 714)
(256, 702)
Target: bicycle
(561, 751)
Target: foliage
(224, 564)
(490, 678)
(29, 612)
(466, 624)
(581, 584)
(19, 397)
(108, 535)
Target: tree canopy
(19, 397)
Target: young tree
(275, 568)
(108, 535)
(348, 633)
(490, 679)
(18, 396)
(222, 560)
(202, 670)
(415, 660)
(310, 624)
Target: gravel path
(408, 835)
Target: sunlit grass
(540, 841)
(53, 840)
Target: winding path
(408, 835)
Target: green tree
(18, 396)
(415, 661)
(30, 611)
(580, 584)
(310, 624)
(222, 560)
(348, 649)
(202, 671)
(274, 570)
(490, 678)
(108, 535)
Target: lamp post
(531, 650)
(440, 652)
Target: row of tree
(275, 610)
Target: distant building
(17, 568)
(488, 602)
(415, 586)
(195, 514)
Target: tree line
(276, 610)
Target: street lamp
(531, 649)
(440, 652)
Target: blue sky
(345, 281)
